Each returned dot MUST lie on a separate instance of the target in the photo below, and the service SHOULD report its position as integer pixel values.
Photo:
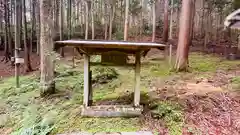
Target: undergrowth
(27, 113)
(208, 63)
(236, 82)
(172, 114)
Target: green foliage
(236, 4)
(103, 74)
(208, 63)
(172, 114)
(34, 124)
(96, 58)
(118, 35)
(236, 82)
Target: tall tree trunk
(6, 40)
(141, 20)
(27, 62)
(86, 19)
(184, 37)
(171, 21)
(105, 21)
(177, 22)
(154, 21)
(18, 14)
(33, 29)
(192, 20)
(56, 22)
(9, 34)
(69, 18)
(202, 20)
(121, 16)
(92, 18)
(47, 61)
(61, 26)
(165, 28)
(38, 25)
(112, 15)
(126, 21)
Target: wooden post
(17, 41)
(90, 95)
(137, 79)
(86, 80)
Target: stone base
(112, 111)
(119, 133)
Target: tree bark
(27, 62)
(38, 31)
(192, 21)
(92, 16)
(165, 28)
(6, 40)
(69, 18)
(86, 19)
(171, 21)
(112, 15)
(61, 26)
(154, 21)
(18, 21)
(47, 61)
(126, 21)
(202, 19)
(56, 22)
(9, 34)
(178, 20)
(184, 37)
(33, 29)
(105, 21)
(141, 20)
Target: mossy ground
(24, 110)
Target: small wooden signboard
(114, 58)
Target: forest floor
(205, 100)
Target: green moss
(208, 63)
(172, 114)
(99, 125)
(236, 83)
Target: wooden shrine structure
(112, 53)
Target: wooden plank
(108, 44)
(112, 64)
(86, 80)
(114, 57)
(137, 79)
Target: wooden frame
(99, 47)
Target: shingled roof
(233, 20)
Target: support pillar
(90, 99)
(137, 79)
(86, 80)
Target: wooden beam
(86, 80)
(137, 79)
